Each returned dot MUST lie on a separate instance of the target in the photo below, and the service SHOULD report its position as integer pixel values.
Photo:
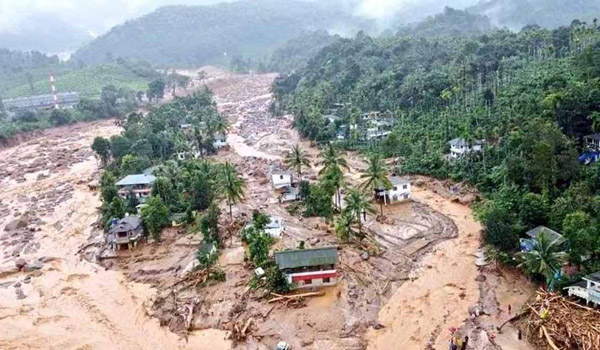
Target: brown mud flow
(414, 278)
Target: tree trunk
(381, 207)
(230, 210)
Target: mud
(405, 285)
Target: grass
(88, 81)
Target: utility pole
(54, 94)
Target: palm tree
(332, 162)
(546, 257)
(376, 177)
(343, 226)
(232, 185)
(296, 159)
(357, 205)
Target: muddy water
(72, 303)
(422, 310)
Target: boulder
(468, 199)
(364, 255)
(32, 266)
(20, 263)
(16, 224)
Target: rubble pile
(553, 322)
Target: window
(326, 280)
(395, 188)
(307, 281)
(280, 177)
(405, 187)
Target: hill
(193, 35)
(295, 52)
(516, 14)
(450, 23)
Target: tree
(260, 220)
(108, 190)
(318, 202)
(206, 257)
(119, 146)
(155, 216)
(581, 232)
(164, 189)
(500, 228)
(232, 185)
(132, 203)
(102, 147)
(209, 225)
(60, 117)
(156, 90)
(131, 164)
(277, 281)
(333, 161)
(258, 248)
(109, 96)
(545, 259)
(116, 209)
(358, 205)
(2, 110)
(376, 177)
(343, 226)
(295, 159)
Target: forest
(529, 97)
(198, 35)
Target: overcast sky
(95, 15)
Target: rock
(364, 255)
(16, 224)
(468, 199)
(20, 294)
(307, 341)
(36, 273)
(27, 279)
(20, 263)
(377, 326)
(476, 310)
(481, 278)
(32, 266)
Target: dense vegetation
(181, 35)
(295, 52)
(531, 95)
(450, 23)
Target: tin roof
(397, 180)
(129, 223)
(595, 277)
(290, 259)
(534, 233)
(136, 179)
(462, 142)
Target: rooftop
(306, 257)
(534, 233)
(126, 224)
(462, 142)
(593, 136)
(137, 179)
(595, 277)
(397, 180)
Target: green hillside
(90, 81)
(194, 35)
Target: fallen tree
(553, 322)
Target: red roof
(315, 275)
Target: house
(308, 268)
(290, 194)
(275, 228)
(460, 147)
(281, 179)
(186, 128)
(220, 140)
(592, 142)
(399, 192)
(188, 155)
(139, 184)
(588, 289)
(527, 243)
(207, 249)
(125, 233)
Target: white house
(290, 194)
(140, 185)
(460, 147)
(220, 141)
(275, 228)
(309, 268)
(588, 289)
(400, 191)
(281, 179)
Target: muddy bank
(19, 138)
(49, 297)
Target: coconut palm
(333, 161)
(232, 186)
(343, 226)
(358, 205)
(296, 159)
(546, 257)
(376, 177)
